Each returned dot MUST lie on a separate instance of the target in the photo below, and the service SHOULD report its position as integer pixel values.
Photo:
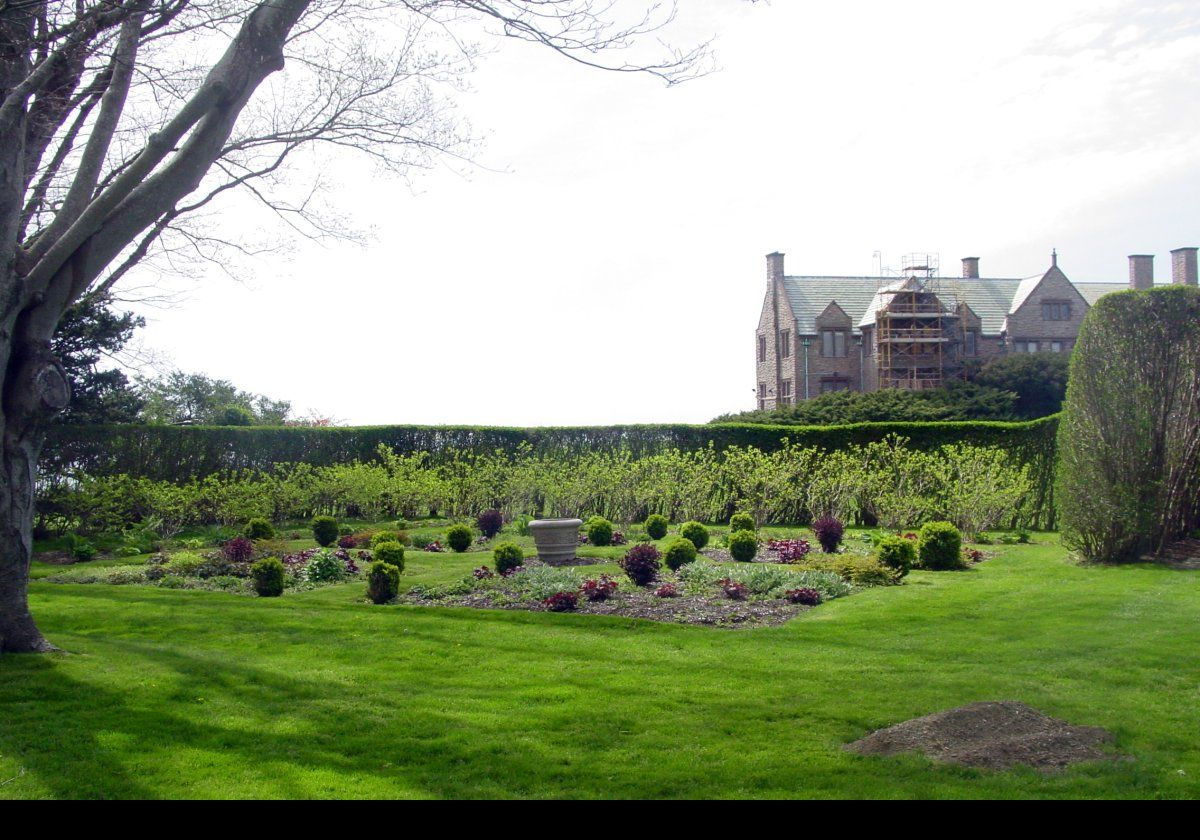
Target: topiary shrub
(259, 529)
(897, 553)
(656, 526)
(383, 581)
(695, 532)
(459, 537)
(1129, 440)
(742, 522)
(325, 530)
(829, 531)
(599, 530)
(679, 552)
(268, 577)
(390, 552)
(380, 537)
(743, 546)
(642, 564)
(489, 523)
(939, 546)
(507, 556)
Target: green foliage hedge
(390, 552)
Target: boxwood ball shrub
(829, 531)
(380, 537)
(743, 545)
(459, 537)
(490, 522)
(695, 532)
(742, 522)
(656, 526)
(897, 553)
(642, 564)
(940, 546)
(325, 530)
(507, 556)
(599, 530)
(679, 552)
(268, 577)
(259, 529)
(390, 552)
(383, 581)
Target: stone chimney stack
(774, 267)
(1183, 266)
(971, 267)
(1141, 271)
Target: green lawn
(204, 694)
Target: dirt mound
(993, 735)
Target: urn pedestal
(556, 540)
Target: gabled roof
(989, 298)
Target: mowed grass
(204, 694)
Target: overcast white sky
(605, 262)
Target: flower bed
(703, 592)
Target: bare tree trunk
(18, 632)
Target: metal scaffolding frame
(917, 335)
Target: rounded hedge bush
(268, 577)
(695, 532)
(742, 522)
(390, 552)
(680, 552)
(656, 526)
(507, 556)
(743, 545)
(897, 553)
(325, 530)
(459, 537)
(940, 546)
(383, 581)
(259, 529)
(380, 537)
(599, 531)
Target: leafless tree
(122, 122)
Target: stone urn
(556, 540)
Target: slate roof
(988, 297)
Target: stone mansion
(916, 330)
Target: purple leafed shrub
(347, 542)
(667, 590)
(238, 550)
(483, 573)
(434, 546)
(733, 590)
(618, 538)
(789, 550)
(642, 563)
(598, 590)
(829, 531)
(489, 523)
(803, 595)
(562, 602)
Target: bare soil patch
(991, 735)
(639, 603)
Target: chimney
(971, 267)
(774, 266)
(1141, 271)
(1183, 266)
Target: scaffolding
(919, 328)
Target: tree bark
(18, 632)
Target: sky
(601, 260)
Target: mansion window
(762, 395)
(785, 392)
(762, 348)
(828, 386)
(785, 344)
(1056, 310)
(833, 343)
(971, 343)
(1056, 346)
(1027, 346)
